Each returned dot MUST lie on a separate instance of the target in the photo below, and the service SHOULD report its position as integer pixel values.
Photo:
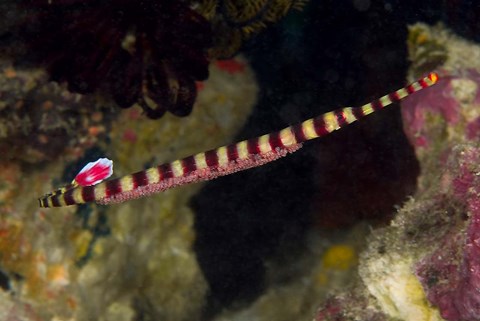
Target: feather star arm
(224, 160)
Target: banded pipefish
(224, 160)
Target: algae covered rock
(125, 262)
(424, 265)
(41, 120)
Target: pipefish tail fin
(225, 160)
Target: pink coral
(451, 274)
(442, 123)
(429, 113)
(348, 307)
(415, 111)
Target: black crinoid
(149, 52)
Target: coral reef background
(271, 243)
(424, 265)
(115, 263)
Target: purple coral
(444, 101)
(438, 122)
(438, 100)
(451, 274)
(348, 307)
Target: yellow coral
(339, 257)
(336, 260)
(397, 290)
(82, 240)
